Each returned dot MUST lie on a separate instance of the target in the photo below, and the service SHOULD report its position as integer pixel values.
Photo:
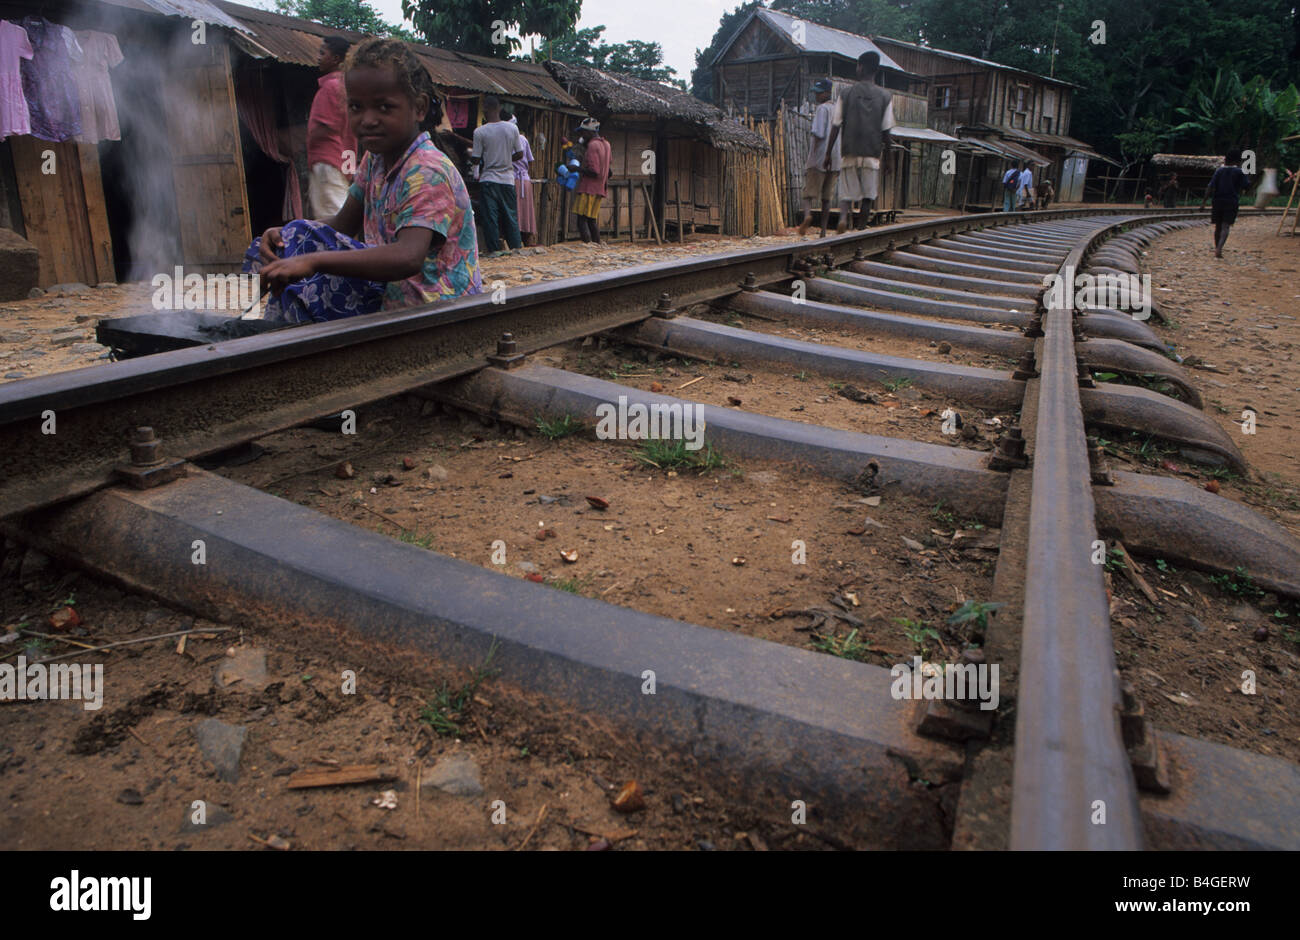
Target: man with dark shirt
(864, 115)
(1225, 188)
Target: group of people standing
(395, 227)
(849, 137)
(1019, 192)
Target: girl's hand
(271, 242)
(282, 272)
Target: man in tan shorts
(820, 183)
(864, 115)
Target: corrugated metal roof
(973, 60)
(1008, 150)
(296, 41)
(816, 38)
(922, 133)
(189, 9)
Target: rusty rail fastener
(1098, 465)
(148, 468)
(507, 355)
(859, 254)
(1027, 369)
(1085, 374)
(750, 283)
(1010, 453)
(1035, 327)
(663, 308)
(1149, 768)
(956, 719)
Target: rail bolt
(664, 307)
(1085, 374)
(148, 468)
(750, 283)
(507, 355)
(144, 448)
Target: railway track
(1069, 761)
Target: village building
(767, 68)
(672, 156)
(1007, 114)
(212, 100)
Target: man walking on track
(863, 116)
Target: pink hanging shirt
(14, 46)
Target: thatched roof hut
(608, 95)
(1187, 161)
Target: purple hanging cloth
(48, 84)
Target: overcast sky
(679, 26)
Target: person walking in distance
(496, 148)
(817, 182)
(1010, 185)
(1025, 193)
(1225, 188)
(864, 115)
(332, 156)
(594, 171)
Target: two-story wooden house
(1007, 113)
(767, 69)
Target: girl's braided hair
(378, 53)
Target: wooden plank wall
(207, 162)
(63, 212)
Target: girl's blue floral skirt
(320, 297)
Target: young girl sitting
(407, 201)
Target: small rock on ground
(457, 775)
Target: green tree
(356, 15)
(635, 57)
(481, 27)
(702, 74)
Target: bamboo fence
(754, 203)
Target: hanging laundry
(14, 47)
(94, 87)
(52, 101)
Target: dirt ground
(1235, 323)
(128, 776)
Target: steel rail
(1072, 787)
(209, 398)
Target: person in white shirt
(819, 183)
(1025, 193)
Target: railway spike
(1098, 465)
(1027, 369)
(1010, 453)
(1149, 769)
